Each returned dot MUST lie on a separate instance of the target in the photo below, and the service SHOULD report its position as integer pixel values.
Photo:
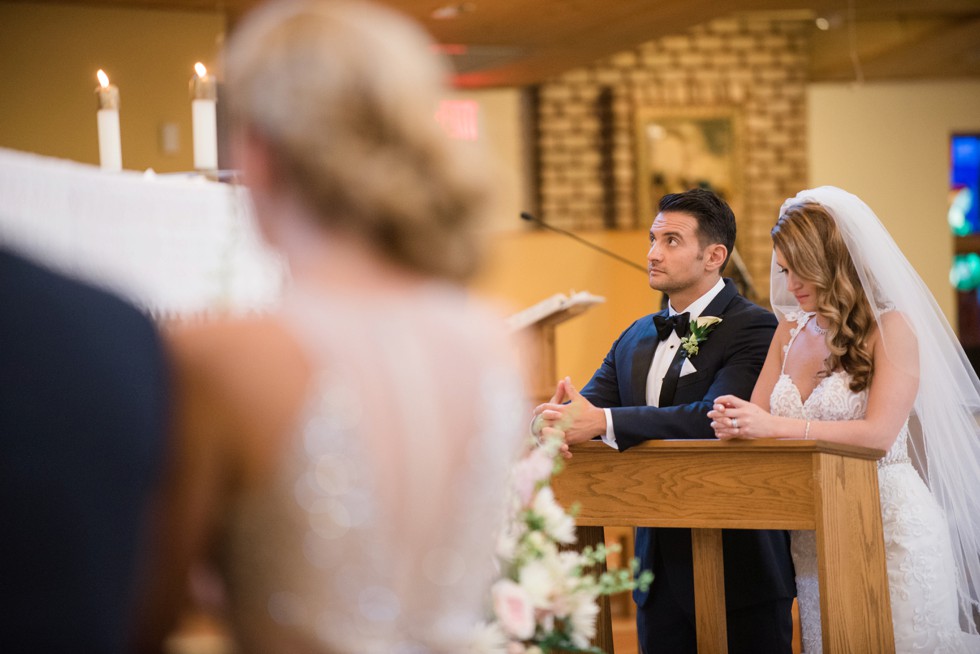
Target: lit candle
(110, 145)
(203, 108)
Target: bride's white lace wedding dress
(921, 574)
(378, 534)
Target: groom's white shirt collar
(700, 304)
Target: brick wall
(751, 66)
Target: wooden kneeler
(710, 485)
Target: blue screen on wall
(964, 184)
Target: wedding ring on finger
(734, 423)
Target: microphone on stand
(531, 219)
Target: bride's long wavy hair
(809, 239)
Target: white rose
(583, 619)
(558, 524)
(534, 543)
(507, 545)
(538, 582)
(489, 639)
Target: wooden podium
(537, 323)
(709, 485)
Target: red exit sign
(459, 119)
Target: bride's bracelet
(806, 431)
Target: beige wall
(527, 267)
(48, 58)
(501, 134)
(889, 144)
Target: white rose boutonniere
(698, 334)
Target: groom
(652, 385)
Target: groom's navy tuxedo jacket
(758, 567)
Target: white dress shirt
(662, 357)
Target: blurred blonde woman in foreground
(341, 462)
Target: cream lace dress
(921, 575)
(377, 535)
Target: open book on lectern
(555, 309)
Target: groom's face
(675, 260)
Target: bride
(339, 462)
(864, 356)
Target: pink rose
(513, 609)
(533, 469)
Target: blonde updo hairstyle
(814, 249)
(345, 94)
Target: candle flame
(103, 79)
(200, 69)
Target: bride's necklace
(821, 331)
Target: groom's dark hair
(716, 222)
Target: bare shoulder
(896, 320)
(896, 340)
(240, 385)
(896, 330)
(214, 340)
(783, 331)
(785, 326)
(267, 328)
(240, 359)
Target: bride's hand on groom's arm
(733, 417)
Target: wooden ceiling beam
(528, 41)
(952, 50)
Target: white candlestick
(110, 143)
(205, 119)
(205, 134)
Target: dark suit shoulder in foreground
(82, 421)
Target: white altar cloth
(174, 244)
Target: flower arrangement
(546, 599)
(698, 334)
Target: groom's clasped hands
(569, 415)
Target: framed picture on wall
(684, 148)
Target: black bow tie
(678, 323)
